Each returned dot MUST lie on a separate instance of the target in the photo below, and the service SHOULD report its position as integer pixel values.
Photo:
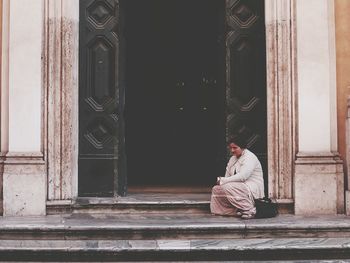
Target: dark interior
(175, 95)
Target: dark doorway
(191, 72)
(175, 93)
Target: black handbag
(265, 208)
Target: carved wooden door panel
(101, 96)
(246, 75)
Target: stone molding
(318, 158)
(281, 103)
(21, 167)
(35, 158)
(61, 32)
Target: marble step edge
(186, 231)
(130, 208)
(219, 249)
(123, 205)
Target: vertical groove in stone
(61, 57)
(280, 98)
(54, 98)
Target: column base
(347, 202)
(319, 184)
(24, 184)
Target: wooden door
(246, 75)
(180, 93)
(101, 100)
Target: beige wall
(342, 19)
(1, 166)
(0, 34)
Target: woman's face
(235, 150)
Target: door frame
(60, 77)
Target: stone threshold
(176, 250)
(147, 202)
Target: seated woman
(234, 194)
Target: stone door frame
(61, 52)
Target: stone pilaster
(61, 78)
(24, 180)
(3, 93)
(280, 52)
(319, 177)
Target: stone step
(162, 227)
(145, 203)
(150, 203)
(175, 250)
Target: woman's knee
(216, 189)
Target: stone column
(24, 180)
(319, 178)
